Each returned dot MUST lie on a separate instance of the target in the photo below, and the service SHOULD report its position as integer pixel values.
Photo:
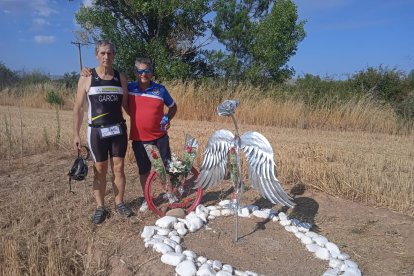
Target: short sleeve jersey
(105, 100)
(146, 109)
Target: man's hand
(76, 143)
(86, 72)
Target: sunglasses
(142, 71)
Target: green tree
(7, 76)
(260, 36)
(166, 31)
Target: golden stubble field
(351, 175)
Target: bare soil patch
(39, 212)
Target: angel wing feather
(259, 155)
(214, 165)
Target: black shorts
(115, 146)
(141, 157)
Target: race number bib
(111, 131)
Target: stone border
(167, 234)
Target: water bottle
(164, 122)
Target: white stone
(172, 233)
(240, 273)
(215, 213)
(299, 235)
(251, 208)
(335, 263)
(282, 216)
(201, 259)
(306, 240)
(224, 202)
(343, 256)
(284, 222)
(182, 231)
(205, 270)
(178, 249)
(322, 253)
(210, 217)
(162, 248)
(244, 212)
(186, 268)
(292, 229)
(262, 213)
(251, 273)
(313, 247)
(331, 272)
(166, 222)
(203, 217)
(190, 254)
(228, 268)
(170, 242)
(163, 231)
(275, 218)
(351, 271)
(159, 237)
(223, 273)
(333, 248)
(172, 258)
(147, 232)
(201, 209)
(351, 264)
(176, 238)
(227, 212)
(217, 265)
(311, 234)
(321, 240)
(179, 225)
(212, 207)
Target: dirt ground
(35, 199)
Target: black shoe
(123, 210)
(100, 215)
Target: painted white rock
(159, 237)
(343, 256)
(172, 233)
(217, 265)
(172, 258)
(282, 216)
(210, 217)
(291, 228)
(351, 271)
(201, 209)
(201, 259)
(243, 212)
(313, 247)
(162, 248)
(182, 231)
(284, 222)
(333, 248)
(215, 213)
(306, 240)
(170, 242)
(179, 225)
(203, 217)
(261, 214)
(322, 253)
(190, 254)
(186, 268)
(163, 231)
(251, 208)
(321, 240)
(224, 202)
(275, 218)
(227, 212)
(212, 207)
(251, 273)
(223, 273)
(147, 232)
(331, 272)
(228, 268)
(351, 264)
(176, 238)
(178, 249)
(311, 234)
(299, 235)
(205, 270)
(166, 222)
(335, 263)
(240, 273)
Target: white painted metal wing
(259, 155)
(214, 165)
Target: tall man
(146, 103)
(106, 92)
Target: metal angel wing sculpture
(222, 153)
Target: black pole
(78, 44)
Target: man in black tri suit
(106, 91)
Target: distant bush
(69, 80)
(54, 98)
(7, 77)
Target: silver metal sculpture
(223, 146)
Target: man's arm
(124, 84)
(78, 110)
(172, 111)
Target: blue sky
(343, 36)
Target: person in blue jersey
(106, 92)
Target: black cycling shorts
(115, 146)
(141, 157)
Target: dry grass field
(46, 231)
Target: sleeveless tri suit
(107, 131)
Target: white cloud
(43, 8)
(40, 22)
(44, 39)
(88, 3)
